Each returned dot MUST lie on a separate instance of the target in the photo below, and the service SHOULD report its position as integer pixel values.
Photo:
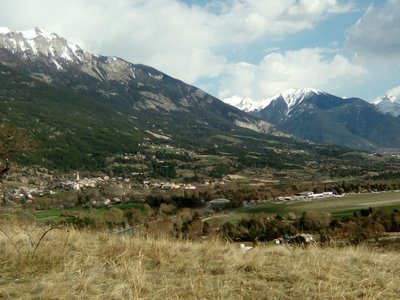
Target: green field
(340, 207)
(55, 213)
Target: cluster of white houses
(168, 185)
(27, 193)
(307, 195)
(79, 184)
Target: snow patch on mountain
(4, 30)
(389, 103)
(39, 44)
(34, 33)
(244, 103)
(158, 77)
(293, 97)
(37, 41)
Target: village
(30, 184)
(29, 191)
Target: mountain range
(132, 88)
(325, 118)
(387, 104)
(82, 108)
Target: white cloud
(238, 79)
(309, 67)
(377, 33)
(184, 41)
(247, 20)
(394, 92)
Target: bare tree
(12, 140)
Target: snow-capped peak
(292, 97)
(35, 32)
(4, 30)
(54, 51)
(35, 42)
(243, 103)
(389, 103)
(386, 98)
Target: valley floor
(65, 263)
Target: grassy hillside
(71, 130)
(80, 129)
(70, 264)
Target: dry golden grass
(72, 264)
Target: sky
(245, 48)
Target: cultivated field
(70, 264)
(335, 206)
(338, 207)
